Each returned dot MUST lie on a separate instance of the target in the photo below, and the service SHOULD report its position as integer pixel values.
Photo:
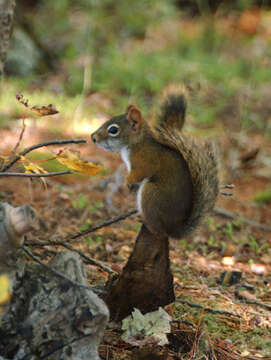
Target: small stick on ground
(69, 247)
(209, 310)
(58, 274)
(74, 236)
(97, 227)
(252, 223)
(217, 211)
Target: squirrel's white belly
(125, 155)
(139, 195)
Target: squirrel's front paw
(133, 187)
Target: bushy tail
(173, 108)
(201, 160)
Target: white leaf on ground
(153, 325)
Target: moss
(263, 197)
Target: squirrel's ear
(134, 117)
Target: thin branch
(252, 223)
(37, 146)
(67, 246)
(209, 310)
(55, 272)
(97, 227)
(20, 137)
(37, 175)
(255, 302)
(252, 302)
(85, 232)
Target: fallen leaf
(149, 328)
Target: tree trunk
(146, 281)
(6, 17)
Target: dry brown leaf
(71, 159)
(40, 110)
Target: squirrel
(177, 177)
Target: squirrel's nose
(93, 138)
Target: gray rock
(51, 318)
(23, 56)
(14, 223)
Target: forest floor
(72, 203)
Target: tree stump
(146, 281)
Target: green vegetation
(223, 327)
(263, 197)
(253, 244)
(86, 225)
(81, 202)
(94, 241)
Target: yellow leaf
(72, 160)
(34, 169)
(4, 289)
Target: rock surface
(51, 318)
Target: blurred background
(104, 54)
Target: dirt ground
(71, 203)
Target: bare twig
(209, 310)
(85, 232)
(104, 224)
(37, 146)
(20, 138)
(67, 246)
(230, 215)
(58, 274)
(259, 303)
(37, 175)
(74, 236)
(252, 302)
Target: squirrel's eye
(113, 130)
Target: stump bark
(146, 281)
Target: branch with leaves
(37, 146)
(69, 158)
